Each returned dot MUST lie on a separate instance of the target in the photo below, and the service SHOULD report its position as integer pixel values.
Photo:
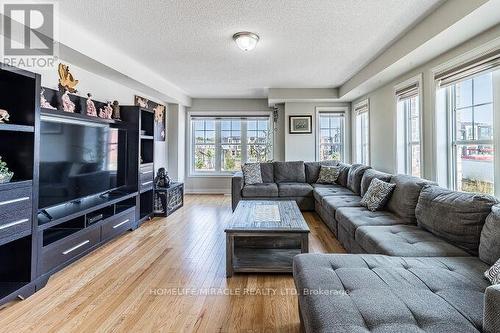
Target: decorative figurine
(91, 110)
(5, 174)
(116, 110)
(142, 102)
(68, 105)
(162, 179)
(66, 79)
(4, 116)
(106, 112)
(43, 102)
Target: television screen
(78, 160)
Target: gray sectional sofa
(416, 266)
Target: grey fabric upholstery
(323, 190)
(289, 172)
(457, 217)
(332, 203)
(267, 172)
(405, 196)
(344, 174)
(405, 241)
(327, 217)
(295, 190)
(236, 187)
(369, 175)
(304, 203)
(373, 293)
(313, 168)
(492, 309)
(260, 190)
(489, 245)
(354, 177)
(351, 218)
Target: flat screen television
(78, 159)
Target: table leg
(304, 243)
(229, 254)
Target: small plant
(5, 174)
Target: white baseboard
(208, 191)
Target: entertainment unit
(93, 178)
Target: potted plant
(5, 174)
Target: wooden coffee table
(264, 236)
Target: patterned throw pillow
(493, 274)
(251, 173)
(328, 174)
(377, 195)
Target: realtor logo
(28, 35)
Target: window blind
(407, 92)
(207, 117)
(361, 107)
(487, 62)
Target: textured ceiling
(304, 43)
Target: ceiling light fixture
(246, 40)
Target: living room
(250, 166)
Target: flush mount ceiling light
(246, 40)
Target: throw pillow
(493, 274)
(328, 174)
(251, 173)
(377, 195)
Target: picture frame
(300, 124)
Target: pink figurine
(68, 105)
(106, 112)
(91, 110)
(43, 102)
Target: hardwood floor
(169, 276)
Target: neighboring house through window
(330, 134)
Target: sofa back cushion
(371, 174)
(267, 171)
(342, 180)
(354, 177)
(313, 168)
(489, 244)
(457, 217)
(405, 196)
(289, 172)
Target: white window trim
(189, 136)
(355, 137)
(419, 80)
(346, 136)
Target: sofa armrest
(491, 321)
(236, 187)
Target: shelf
(16, 128)
(79, 116)
(147, 137)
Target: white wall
(176, 126)
(302, 147)
(383, 113)
(103, 89)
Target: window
(408, 130)
(362, 133)
(331, 136)
(468, 95)
(220, 145)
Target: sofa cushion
(405, 196)
(312, 169)
(332, 203)
(267, 172)
(489, 245)
(377, 195)
(354, 177)
(375, 293)
(369, 175)
(493, 273)
(351, 218)
(289, 172)
(252, 173)
(324, 190)
(329, 174)
(405, 241)
(295, 190)
(342, 180)
(457, 217)
(260, 190)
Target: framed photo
(300, 124)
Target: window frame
(341, 112)
(403, 163)
(190, 135)
(360, 109)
